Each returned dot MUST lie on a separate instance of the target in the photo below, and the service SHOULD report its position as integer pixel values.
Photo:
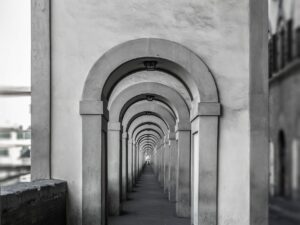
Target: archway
(121, 61)
(282, 173)
(177, 105)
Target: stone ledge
(37, 202)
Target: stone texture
(217, 31)
(41, 89)
(41, 202)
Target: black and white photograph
(142, 112)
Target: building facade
(181, 81)
(15, 147)
(284, 99)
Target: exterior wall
(285, 116)
(217, 30)
(41, 202)
(284, 106)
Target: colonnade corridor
(147, 204)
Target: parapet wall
(41, 202)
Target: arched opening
(114, 132)
(282, 164)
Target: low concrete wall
(41, 202)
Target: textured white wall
(217, 30)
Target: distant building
(284, 99)
(15, 149)
(284, 109)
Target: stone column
(124, 166)
(41, 89)
(259, 154)
(173, 163)
(155, 161)
(162, 165)
(158, 162)
(94, 136)
(183, 174)
(137, 161)
(204, 165)
(141, 161)
(166, 164)
(113, 168)
(129, 158)
(133, 162)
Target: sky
(15, 59)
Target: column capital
(183, 126)
(114, 126)
(124, 135)
(166, 140)
(171, 136)
(181, 131)
(207, 109)
(92, 107)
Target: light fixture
(149, 98)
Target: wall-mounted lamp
(149, 98)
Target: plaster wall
(284, 108)
(217, 30)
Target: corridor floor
(148, 205)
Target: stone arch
(146, 139)
(121, 61)
(138, 109)
(129, 57)
(150, 136)
(146, 126)
(282, 163)
(147, 119)
(148, 129)
(155, 77)
(158, 91)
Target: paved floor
(284, 212)
(148, 205)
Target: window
(4, 152)
(5, 135)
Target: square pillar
(166, 165)
(94, 148)
(141, 161)
(258, 110)
(124, 166)
(205, 170)
(41, 90)
(183, 173)
(129, 175)
(114, 168)
(173, 163)
(133, 162)
(137, 161)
